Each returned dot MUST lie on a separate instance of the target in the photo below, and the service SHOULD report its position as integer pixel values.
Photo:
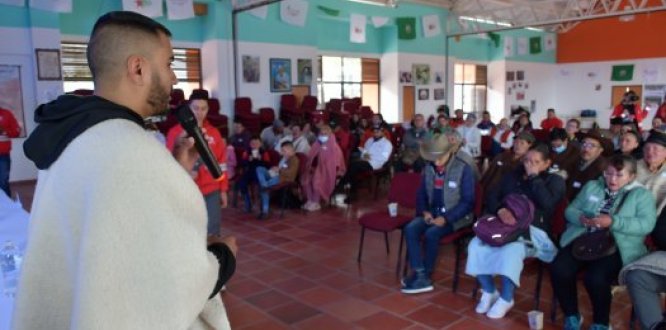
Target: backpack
(492, 231)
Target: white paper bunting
(522, 46)
(19, 3)
(357, 28)
(379, 21)
(294, 12)
(59, 6)
(431, 26)
(508, 46)
(549, 42)
(150, 8)
(180, 9)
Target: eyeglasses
(618, 175)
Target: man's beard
(158, 97)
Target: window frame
(472, 86)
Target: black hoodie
(62, 120)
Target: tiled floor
(300, 272)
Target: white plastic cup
(535, 319)
(393, 209)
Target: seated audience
(377, 120)
(272, 135)
(615, 132)
(522, 124)
(214, 190)
(630, 145)
(374, 155)
(441, 110)
(251, 158)
(574, 135)
(484, 261)
(354, 121)
(551, 121)
(504, 135)
(645, 279)
(440, 126)
(590, 165)
(286, 171)
(564, 155)
(299, 140)
(458, 120)
(309, 134)
(486, 124)
(506, 162)
(614, 202)
(325, 162)
(657, 124)
(444, 204)
(240, 140)
(411, 142)
(471, 135)
(651, 169)
(455, 139)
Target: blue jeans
(431, 236)
(265, 181)
(5, 165)
(488, 285)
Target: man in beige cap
(444, 204)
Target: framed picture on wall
(304, 67)
(421, 73)
(48, 64)
(424, 94)
(280, 69)
(438, 94)
(251, 71)
(510, 75)
(520, 75)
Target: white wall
(496, 90)
(437, 64)
(218, 78)
(390, 90)
(575, 87)
(540, 89)
(260, 92)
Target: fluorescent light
(486, 21)
(534, 29)
(383, 3)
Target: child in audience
(285, 172)
(252, 158)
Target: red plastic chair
(309, 104)
(288, 110)
(403, 191)
(541, 135)
(266, 117)
(215, 118)
(334, 105)
(366, 112)
(243, 113)
(177, 98)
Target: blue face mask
(560, 149)
(323, 139)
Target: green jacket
(631, 224)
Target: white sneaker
(307, 205)
(486, 301)
(499, 309)
(314, 207)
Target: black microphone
(189, 123)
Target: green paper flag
(623, 72)
(495, 38)
(406, 27)
(535, 45)
(329, 11)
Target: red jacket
(661, 112)
(9, 129)
(638, 117)
(204, 179)
(550, 123)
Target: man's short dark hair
(109, 35)
(551, 110)
(558, 134)
(574, 120)
(286, 144)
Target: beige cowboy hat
(437, 146)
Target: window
(186, 66)
(349, 77)
(469, 87)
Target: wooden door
(618, 92)
(407, 103)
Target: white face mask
(323, 138)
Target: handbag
(595, 243)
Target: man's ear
(136, 69)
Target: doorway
(618, 92)
(407, 103)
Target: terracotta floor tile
(323, 322)
(433, 316)
(340, 281)
(399, 303)
(320, 296)
(383, 321)
(351, 309)
(368, 291)
(293, 312)
(269, 300)
(294, 285)
(245, 315)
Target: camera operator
(629, 110)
